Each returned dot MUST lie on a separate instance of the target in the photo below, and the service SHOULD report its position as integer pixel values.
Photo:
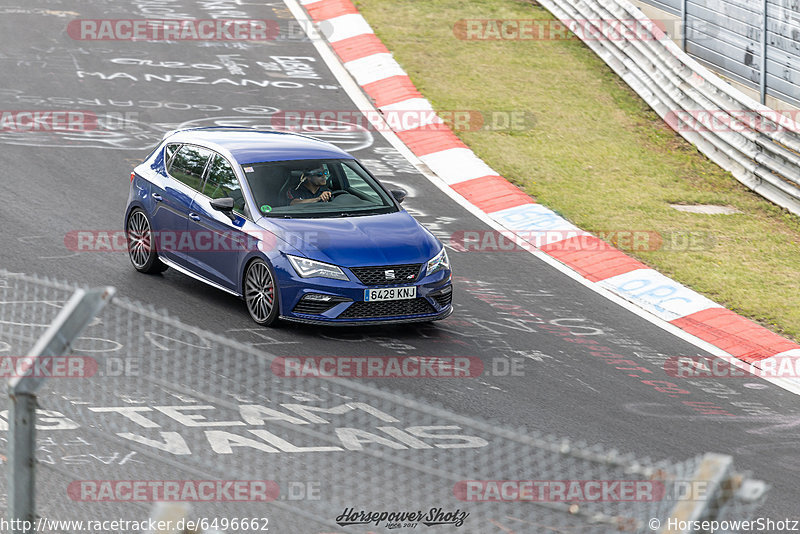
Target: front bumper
(362, 322)
(348, 307)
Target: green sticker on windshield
(266, 208)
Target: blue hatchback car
(295, 226)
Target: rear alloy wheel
(260, 293)
(141, 248)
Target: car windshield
(316, 188)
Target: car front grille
(387, 308)
(387, 274)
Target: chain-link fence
(147, 409)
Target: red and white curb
(374, 69)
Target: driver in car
(313, 187)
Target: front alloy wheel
(260, 293)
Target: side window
(222, 183)
(169, 152)
(188, 164)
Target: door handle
(157, 197)
(194, 216)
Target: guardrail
(758, 145)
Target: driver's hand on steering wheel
(325, 196)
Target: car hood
(388, 239)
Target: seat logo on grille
(389, 274)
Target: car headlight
(438, 262)
(311, 268)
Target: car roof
(255, 146)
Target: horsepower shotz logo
(400, 519)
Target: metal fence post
(684, 29)
(56, 341)
(762, 83)
(714, 470)
(21, 452)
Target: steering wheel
(339, 192)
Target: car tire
(141, 246)
(260, 291)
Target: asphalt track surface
(54, 184)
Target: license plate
(390, 293)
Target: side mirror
(222, 204)
(225, 205)
(399, 194)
